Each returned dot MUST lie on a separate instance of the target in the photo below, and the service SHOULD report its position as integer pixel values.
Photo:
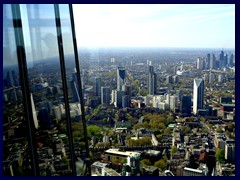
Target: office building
(12, 79)
(173, 102)
(212, 61)
(198, 95)
(121, 78)
(220, 78)
(34, 113)
(200, 63)
(75, 94)
(98, 86)
(152, 81)
(105, 95)
(127, 88)
(230, 151)
(211, 77)
(119, 98)
(169, 79)
(185, 107)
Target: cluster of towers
(211, 62)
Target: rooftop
(117, 152)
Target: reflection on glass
(47, 98)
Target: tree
(93, 130)
(159, 137)
(145, 162)
(174, 149)
(167, 131)
(219, 155)
(115, 160)
(219, 130)
(161, 164)
(186, 129)
(65, 160)
(123, 161)
(230, 127)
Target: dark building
(75, 94)
(98, 86)
(185, 107)
(12, 79)
(152, 81)
(121, 75)
(44, 119)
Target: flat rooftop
(117, 152)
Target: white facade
(198, 95)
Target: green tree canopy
(161, 164)
(219, 155)
(145, 162)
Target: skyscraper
(200, 63)
(198, 95)
(105, 95)
(98, 86)
(11, 79)
(230, 61)
(121, 75)
(75, 93)
(35, 120)
(212, 61)
(185, 107)
(152, 81)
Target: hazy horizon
(155, 25)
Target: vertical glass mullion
(64, 81)
(22, 64)
(79, 85)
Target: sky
(155, 25)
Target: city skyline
(158, 25)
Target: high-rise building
(173, 102)
(230, 60)
(200, 62)
(35, 120)
(169, 79)
(185, 107)
(127, 88)
(152, 81)
(212, 61)
(98, 86)
(220, 78)
(179, 94)
(221, 60)
(118, 98)
(230, 151)
(105, 95)
(198, 95)
(207, 61)
(75, 94)
(211, 77)
(205, 77)
(11, 79)
(44, 119)
(121, 75)
(125, 101)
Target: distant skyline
(155, 25)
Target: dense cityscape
(149, 112)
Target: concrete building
(200, 63)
